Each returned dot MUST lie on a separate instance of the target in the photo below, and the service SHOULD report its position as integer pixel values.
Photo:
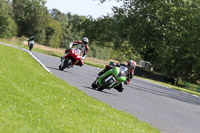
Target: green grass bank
(33, 100)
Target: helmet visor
(131, 67)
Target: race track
(169, 110)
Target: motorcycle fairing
(115, 71)
(75, 54)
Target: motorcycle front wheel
(106, 84)
(94, 84)
(66, 63)
(61, 68)
(30, 48)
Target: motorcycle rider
(82, 45)
(131, 65)
(32, 38)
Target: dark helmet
(85, 40)
(32, 37)
(131, 65)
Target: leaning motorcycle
(30, 45)
(111, 78)
(70, 59)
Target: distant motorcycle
(70, 59)
(30, 45)
(111, 78)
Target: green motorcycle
(111, 78)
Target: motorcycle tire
(30, 47)
(105, 85)
(68, 62)
(61, 68)
(94, 85)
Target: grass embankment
(33, 100)
(174, 87)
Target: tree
(8, 26)
(30, 16)
(164, 32)
(59, 16)
(69, 25)
(53, 33)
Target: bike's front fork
(62, 58)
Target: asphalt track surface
(169, 110)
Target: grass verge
(174, 87)
(33, 100)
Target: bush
(99, 52)
(21, 40)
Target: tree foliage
(8, 27)
(30, 16)
(53, 33)
(164, 32)
(67, 23)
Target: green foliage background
(164, 32)
(8, 27)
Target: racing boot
(119, 88)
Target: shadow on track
(58, 69)
(99, 91)
(53, 68)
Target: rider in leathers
(83, 46)
(32, 38)
(131, 65)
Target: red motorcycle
(70, 59)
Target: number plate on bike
(77, 52)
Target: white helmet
(131, 65)
(85, 40)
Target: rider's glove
(70, 45)
(67, 50)
(126, 82)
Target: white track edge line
(39, 62)
(30, 54)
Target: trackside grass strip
(33, 100)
